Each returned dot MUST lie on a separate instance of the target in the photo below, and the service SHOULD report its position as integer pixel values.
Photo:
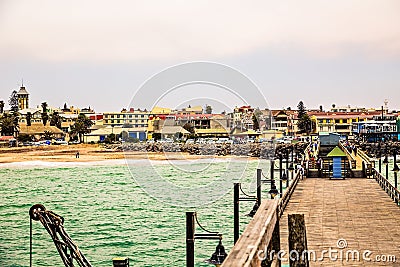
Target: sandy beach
(87, 153)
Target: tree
(256, 125)
(45, 117)
(1, 106)
(81, 126)
(301, 109)
(47, 135)
(55, 120)
(124, 135)
(7, 124)
(304, 122)
(208, 109)
(24, 138)
(156, 136)
(16, 123)
(13, 101)
(28, 118)
(111, 138)
(256, 119)
(188, 127)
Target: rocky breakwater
(376, 150)
(262, 150)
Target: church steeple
(23, 97)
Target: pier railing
(368, 163)
(392, 191)
(262, 233)
(284, 201)
(352, 159)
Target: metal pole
(235, 212)
(287, 158)
(272, 173)
(292, 153)
(30, 242)
(190, 239)
(287, 180)
(395, 173)
(272, 169)
(380, 164)
(387, 171)
(259, 186)
(280, 175)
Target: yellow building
(134, 118)
(156, 120)
(339, 122)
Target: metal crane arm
(54, 226)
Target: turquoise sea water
(108, 214)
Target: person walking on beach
(77, 155)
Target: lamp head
(291, 167)
(396, 168)
(218, 256)
(273, 192)
(385, 160)
(253, 211)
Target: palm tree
(13, 101)
(55, 120)
(81, 126)
(28, 118)
(47, 135)
(16, 123)
(45, 117)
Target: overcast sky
(99, 53)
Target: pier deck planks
(357, 210)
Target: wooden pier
(350, 222)
(355, 210)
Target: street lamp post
(217, 257)
(386, 163)
(395, 169)
(236, 199)
(273, 191)
(280, 174)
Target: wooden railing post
(298, 256)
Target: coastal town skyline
(215, 105)
(100, 53)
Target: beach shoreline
(91, 153)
